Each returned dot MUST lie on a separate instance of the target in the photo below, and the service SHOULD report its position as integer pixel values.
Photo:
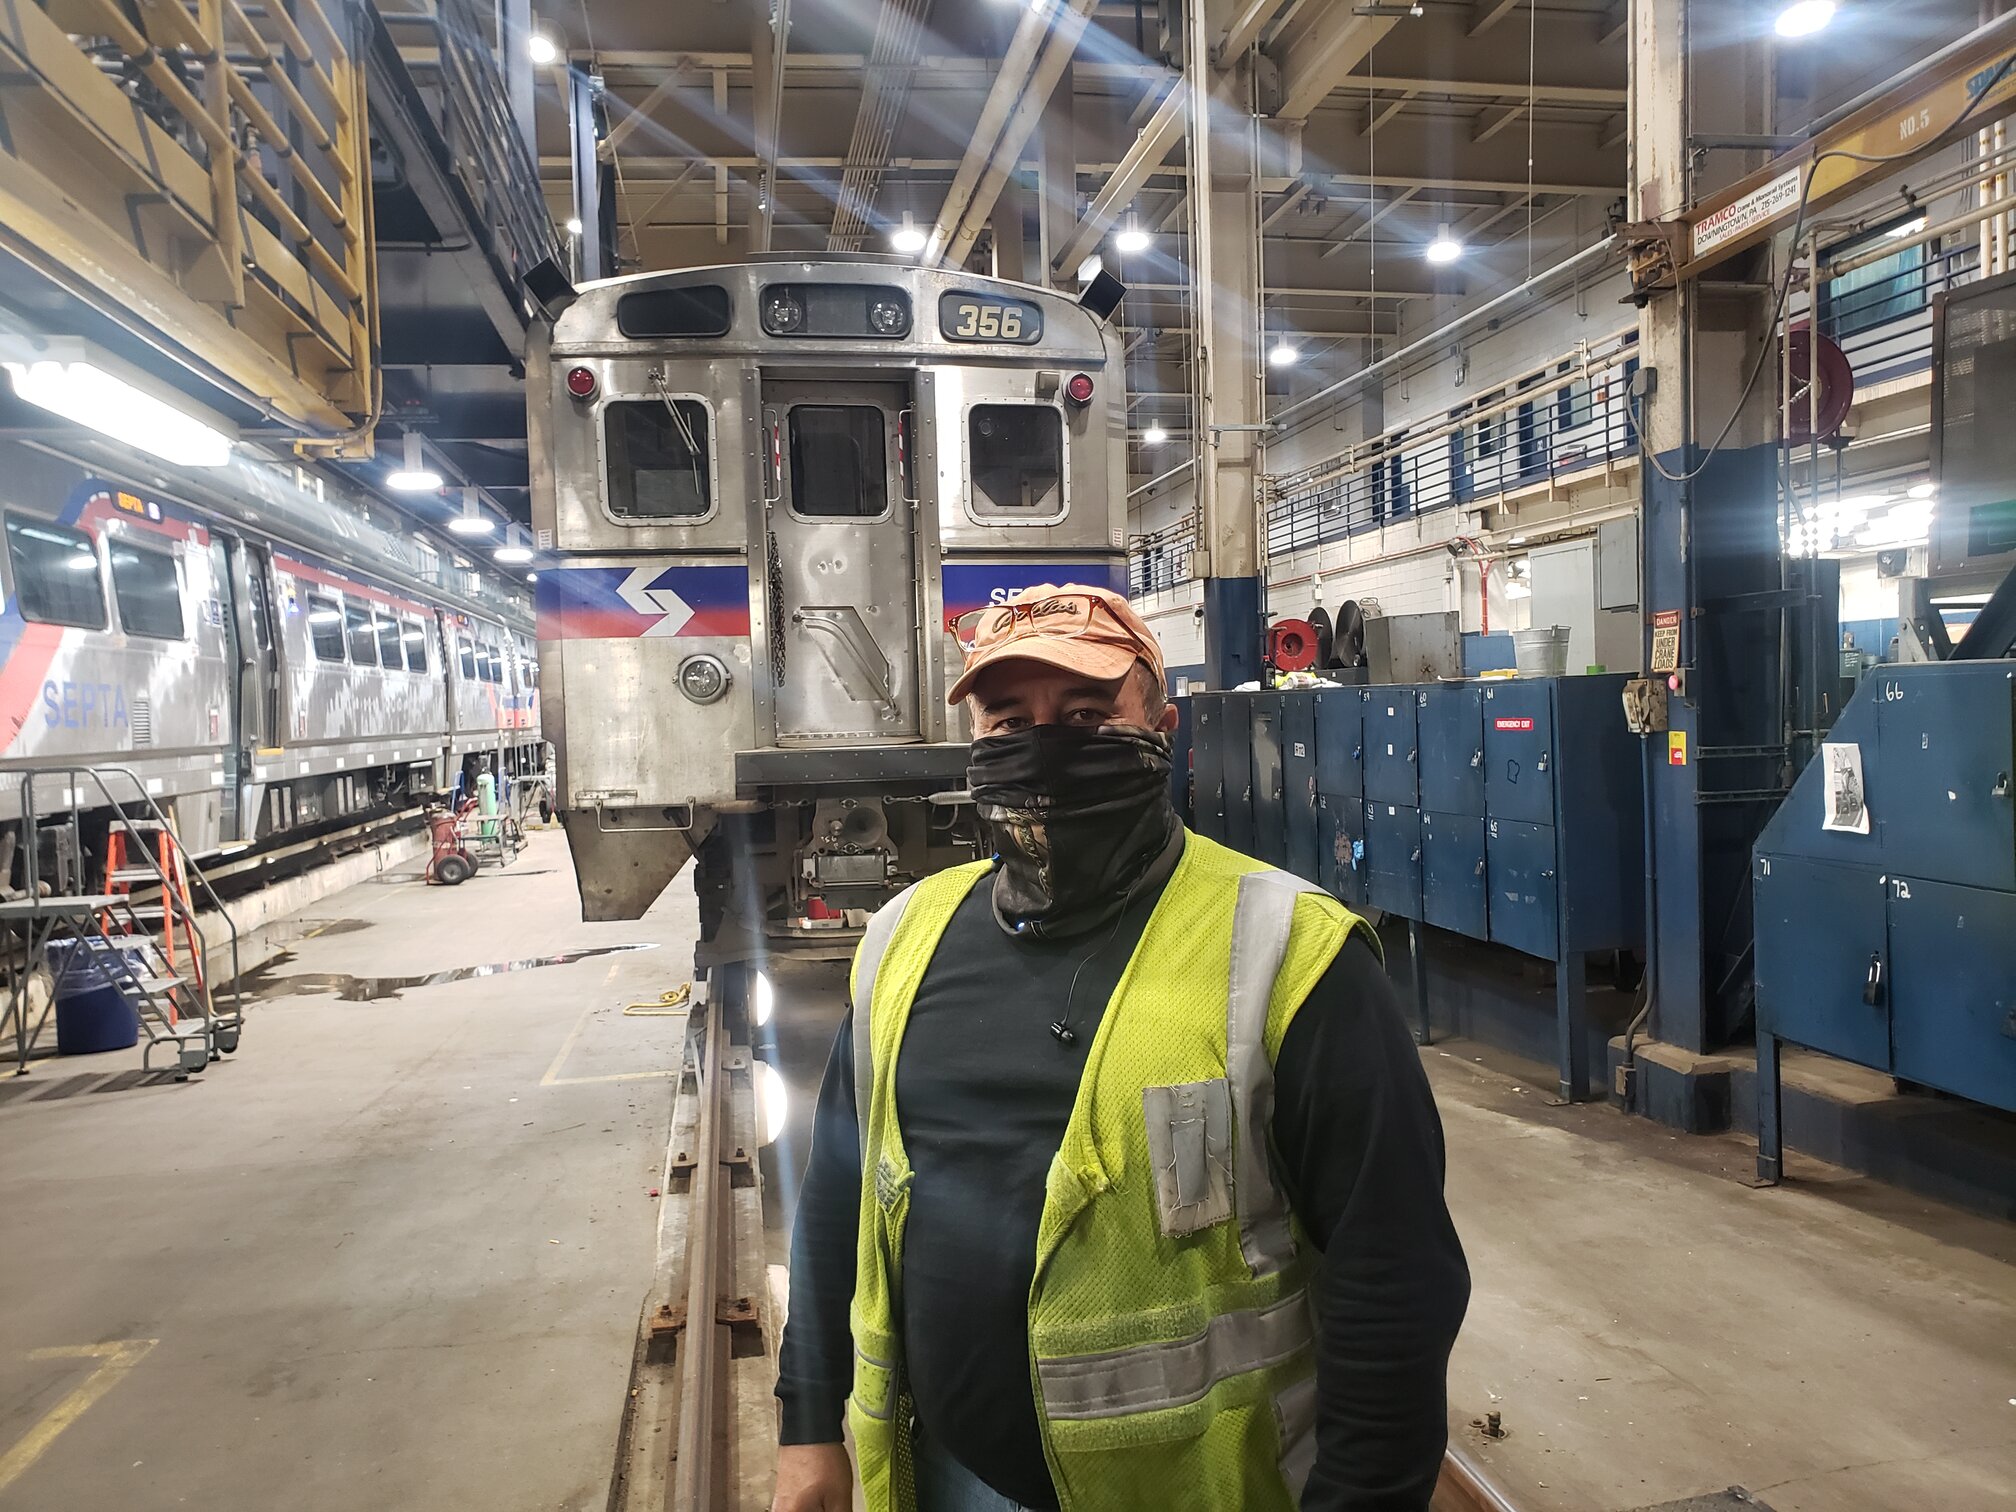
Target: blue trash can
(92, 1014)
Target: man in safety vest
(1126, 1184)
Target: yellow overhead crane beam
(1959, 89)
(216, 189)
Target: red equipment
(1292, 645)
(451, 864)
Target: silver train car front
(770, 489)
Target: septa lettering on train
(83, 706)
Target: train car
(772, 489)
(260, 656)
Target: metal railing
(1561, 421)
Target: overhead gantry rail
(200, 170)
(1961, 88)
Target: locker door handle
(1412, 754)
(1872, 987)
(1546, 876)
(1478, 759)
(1479, 871)
(1417, 854)
(1541, 764)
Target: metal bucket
(1541, 652)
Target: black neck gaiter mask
(1079, 818)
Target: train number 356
(984, 321)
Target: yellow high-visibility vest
(1170, 1326)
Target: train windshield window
(150, 597)
(658, 463)
(839, 463)
(325, 628)
(388, 642)
(357, 629)
(415, 637)
(1016, 452)
(468, 659)
(56, 574)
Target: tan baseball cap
(1093, 631)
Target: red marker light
(581, 382)
(1078, 389)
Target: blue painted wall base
(1233, 631)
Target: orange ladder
(178, 915)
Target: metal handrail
(170, 901)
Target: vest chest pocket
(1190, 1148)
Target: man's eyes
(1090, 716)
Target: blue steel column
(1711, 537)
(1225, 324)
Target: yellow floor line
(118, 1357)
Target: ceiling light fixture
(1909, 228)
(74, 379)
(1154, 436)
(544, 49)
(472, 521)
(1132, 238)
(516, 549)
(1445, 248)
(573, 225)
(1284, 354)
(415, 476)
(909, 236)
(1803, 18)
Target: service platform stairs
(139, 929)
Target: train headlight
(704, 679)
(782, 313)
(890, 317)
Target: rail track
(699, 1426)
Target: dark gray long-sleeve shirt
(985, 1091)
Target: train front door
(840, 556)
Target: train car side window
(56, 578)
(415, 636)
(358, 631)
(660, 467)
(388, 642)
(839, 462)
(325, 627)
(1016, 453)
(468, 659)
(149, 593)
(496, 666)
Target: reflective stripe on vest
(867, 963)
(1261, 922)
(1172, 1374)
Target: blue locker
(1820, 937)
(1525, 904)
(1953, 1019)
(1298, 765)
(1270, 814)
(1181, 760)
(1452, 749)
(1340, 742)
(1341, 834)
(1519, 752)
(1393, 858)
(1208, 765)
(1392, 737)
(1454, 891)
(1236, 743)
(1928, 729)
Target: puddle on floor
(263, 985)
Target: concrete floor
(391, 1255)
(1648, 1328)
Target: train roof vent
(140, 714)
